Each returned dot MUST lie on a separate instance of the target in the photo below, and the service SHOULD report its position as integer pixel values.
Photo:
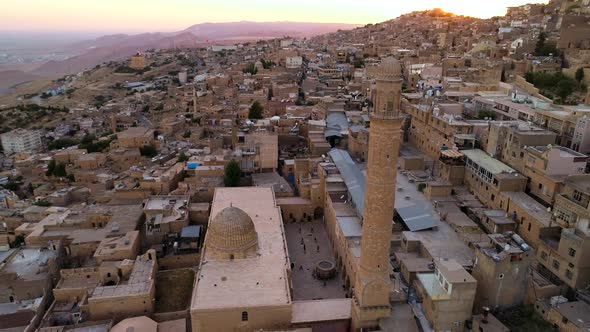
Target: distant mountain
(109, 48)
(262, 30)
(118, 46)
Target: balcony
(574, 208)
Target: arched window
(244, 316)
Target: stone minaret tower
(372, 284)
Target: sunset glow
(172, 15)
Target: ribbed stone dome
(390, 67)
(232, 231)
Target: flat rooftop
(490, 164)
(134, 132)
(272, 180)
(250, 282)
(534, 208)
(29, 264)
(321, 310)
(576, 312)
(140, 281)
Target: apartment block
(21, 140)
(488, 177)
(548, 166)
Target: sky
(128, 16)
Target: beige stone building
(137, 61)
(570, 316)
(564, 253)
(573, 203)
(502, 270)
(244, 271)
(260, 151)
(548, 166)
(488, 177)
(113, 290)
(165, 216)
(134, 137)
(447, 295)
(531, 217)
(27, 276)
(507, 141)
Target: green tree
(182, 158)
(187, 134)
(19, 240)
(486, 114)
(12, 186)
(564, 89)
(543, 48)
(540, 42)
(60, 143)
(60, 170)
(50, 168)
(250, 69)
(232, 174)
(580, 74)
(255, 111)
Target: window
(569, 274)
(543, 255)
(501, 276)
(564, 320)
(244, 316)
(555, 264)
(578, 196)
(572, 252)
(529, 227)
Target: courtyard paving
(308, 244)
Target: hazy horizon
(136, 16)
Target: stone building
(507, 141)
(134, 137)
(21, 140)
(488, 177)
(447, 295)
(137, 61)
(244, 272)
(547, 167)
(502, 270)
(114, 291)
(564, 254)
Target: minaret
(372, 284)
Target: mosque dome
(390, 67)
(232, 233)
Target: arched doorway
(318, 213)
